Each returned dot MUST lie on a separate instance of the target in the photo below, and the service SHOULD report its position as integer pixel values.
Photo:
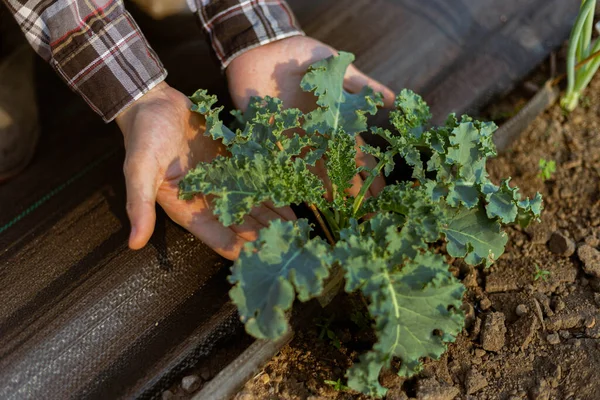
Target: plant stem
(322, 223)
(571, 97)
(366, 184)
(595, 54)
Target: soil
(533, 319)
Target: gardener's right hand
(163, 140)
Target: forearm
(96, 47)
(236, 26)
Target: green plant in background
(540, 274)
(583, 57)
(547, 168)
(389, 258)
(326, 332)
(337, 385)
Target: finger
(355, 81)
(141, 182)
(285, 213)
(197, 218)
(357, 183)
(250, 228)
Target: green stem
(366, 184)
(585, 76)
(586, 8)
(331, 221)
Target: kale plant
(384, 245)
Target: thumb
(141, 183)
(355, 80)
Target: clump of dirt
(533, 319)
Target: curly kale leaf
(203, 104)
(338, 110)
(414, 303)
(473, 236)
(283, 262)
(240, 184)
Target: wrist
(159, 91)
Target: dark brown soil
(526, 338)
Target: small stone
(469, 312)
(564, 334)
(264, 378)
(590, 257)
(559, 305)
(475, 329)
(540, 233)
(396, 393)
(523, 331)
(592, 241)
(597, 299)
(561, 245)
(589, 322)
(167, 395)
(190, 383)
(553, 338)
(493, 332)
(593, 332)
(485, 304)
(205, 374)
(480, 353)
(521, 310)
(474, 382)
(431, 389)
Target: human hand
(163, 140)
(277, 68)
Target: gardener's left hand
(277, 68)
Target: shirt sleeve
(95, 46)
(236, 26)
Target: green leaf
(282, 262)
(411, 114)
(240, 184)
(203, 103)
(338, 110)
(415, 304)
(505, 203)
(472, 235)
(341, 168)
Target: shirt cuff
(236, 26)
(110, 67)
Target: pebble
(205, 374)
(485, 304)
(431, 389)
(589, 322)
(493, 332)
(561, 244)
(521, 310)
(564, 334)
(593, 332)
(597, 299)
(590, 257)
(474, 382)
(559, 305)
(480, 353)
(190, 383)
(592, 241)
(553, 338)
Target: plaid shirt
(98, 49)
